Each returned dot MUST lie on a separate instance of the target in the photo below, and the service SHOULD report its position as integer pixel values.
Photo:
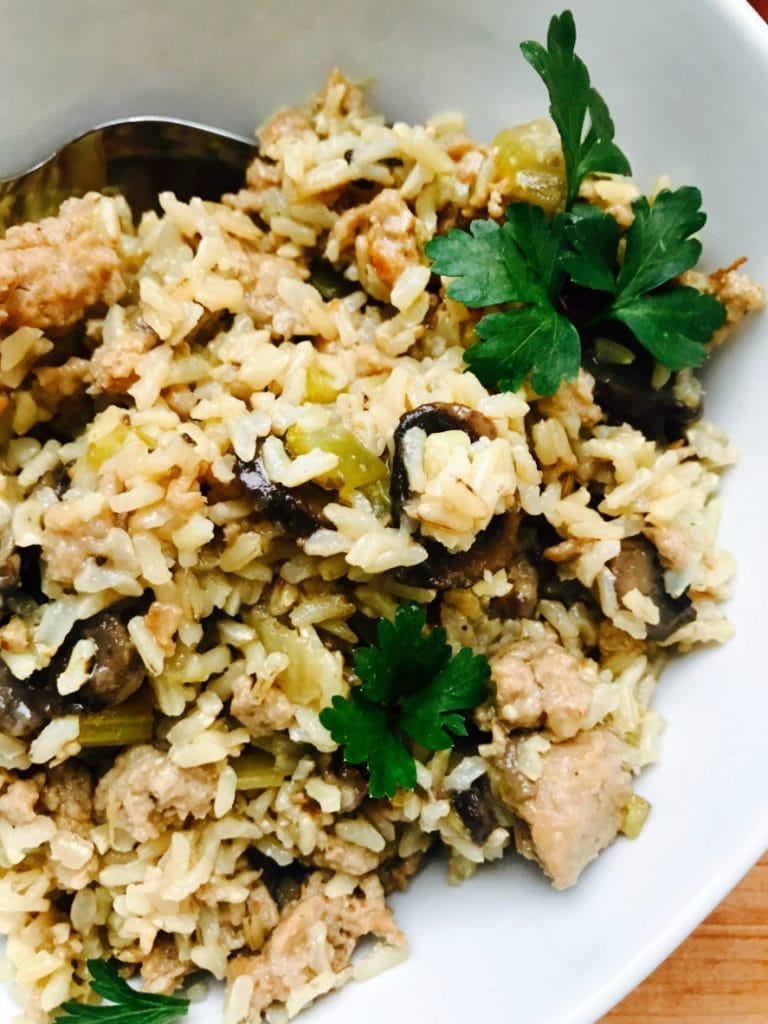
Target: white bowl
(687, 83)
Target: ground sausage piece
(314, 929)
(162, 971)
(145, 792)
(261, 708)
(541, 683)
(17, 803)
(736, 291)
(114, 363)
(260, 275)
(577, 806)
(54, 272)
(383, 235)
(340, 855)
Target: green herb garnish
(518, 261)
(673, 324)
(413, 686)
(130, 1006)
(532, 264)
(573, 99)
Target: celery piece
(635, 815)
(530, 154)
(110, 444)
(313, 673)
(358, 467)
(378, 495)
(257, 769)
(120, 726)
(320, 386)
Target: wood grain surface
(719, 975)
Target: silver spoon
(138, 157)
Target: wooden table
(719, 975)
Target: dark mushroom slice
(10, 574)
(475, 812)
(299, 510)
(432, 419)
(31, 573)
(284, 882)
(624, 392)
(329, 281)
(521, 601)
(19, 714)
(638, 566)
(443, 570)
(115, 674)
(493, 547)
(116, 670)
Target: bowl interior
(504, 946)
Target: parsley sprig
(531, 264)
(577, 108)
(413, 687)
(674, 323)
(518, 261)
(130, 1006)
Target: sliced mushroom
(19, 715)
(117, 671)
(299, 510)
(638, 567)
(476, 814)
(10, 574)
(432, 419)
(493, 547)
(521, 601)
(625, 394)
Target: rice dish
(203, 416)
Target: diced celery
(120, 726)
(635, 815)
(531, 156)
(358, 467)
(313, 673)
(320, 386)
(257, 769)
(112, 443)
(378, 495)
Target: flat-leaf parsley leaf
(573, 100)
(130, 1006)
(413, 687)
(674, 323)
(533, 338)
(514, 343)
